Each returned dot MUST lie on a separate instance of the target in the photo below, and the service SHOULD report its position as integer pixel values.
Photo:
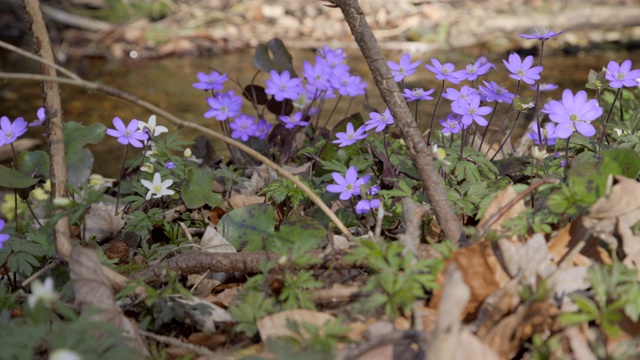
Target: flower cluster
(350, 185)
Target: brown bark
(392, 96)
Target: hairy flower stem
(484, 134)
(433, 116)
(124, 161)
(393, 97)
(606, 121)
(566, 158)
(507, 137)
(542, 144)
(504, 119)
(335, 106)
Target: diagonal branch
(392, 96)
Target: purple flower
(544, 87)
(350, 136)
(466, 93)
(333, 59)
(10, 132)
(574, 113)
(213, 81)
(348, 185)
(417, 94)
(127, 134)
(445, 72)
(224, 106)
(283, 86)
(452, 124)
(479, 68)
(170, 165)
(317, 75)
(471, 111)
(493, 92)
(349, 85)
(262, 129)
(542, 34)
(522, 70)
(404, 68)
(293, 120)
(242, 127)
(364, 206)
(622, 75)
(42, 116)
(3, 237)
(549, 135)
(379, 121)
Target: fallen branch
(174, 119)
(390, 92)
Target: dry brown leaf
(201, 314)
(507, 336)
(211, 242)
(275, 325)
(526, 261)
(482, 272)
(262, 175)
(226, 297)
(579, 344)
(216, 214)
(566, 281)
(101, 223)
(449, 339)
(502, 198)
(560, 245)
(238, 201)
(91, 289)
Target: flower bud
(62, 202)
(187, 153)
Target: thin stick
(174, 119)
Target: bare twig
(394, 99)
(174, 119)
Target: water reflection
(167, 83)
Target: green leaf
(249, 227)
(13, 179)
(198, 191)
(80, 159)
(79, 166)
(296, 229)
(34, 163)
(274, 56)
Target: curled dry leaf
(449, 339)
(613, 216)
(482, 272)
(526, 261)
(201, 314)
(262, 175)
(211, 242)
(275, 325)
(101, 223)
(92, 289)
(238, 201)
(502, 198)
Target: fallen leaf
(275, 325)
(201, 314)
(449, 340)
(211, 242)
(92, 290)
(501, 199)
(481, 270)
(101, 223)
(238, 201)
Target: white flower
(154, 130)
(42, 292)
(147, 167)
(64, 354)
(150, 153)
(537, 154)
(157, 188)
